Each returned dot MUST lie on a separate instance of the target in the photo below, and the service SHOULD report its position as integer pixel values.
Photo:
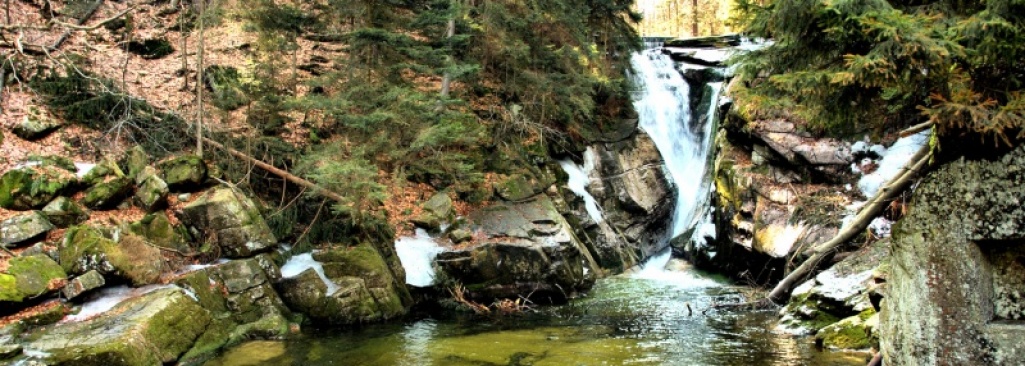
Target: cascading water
(664, 112)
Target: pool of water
(634, 319)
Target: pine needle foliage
(852, 65)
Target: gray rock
(152, 329)
(108, 194)
(953, 292)
(131, 257)
(231, 221)
(24, 227)
(64, 212)
(460, 236)
(79, 285)
(240, 290)
(440, 205)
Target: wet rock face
(530, 249)
(152, 329)
(231, 221)
(956, 261)
(362, 288)
(241, 288)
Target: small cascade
(417, 253)
(300, 263)
(578, 182)
(664, 111)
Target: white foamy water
(664, 113)
(417, 253)
(654, 269)
(578, 182)
(107, 298)
(300, 263)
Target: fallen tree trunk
(868, 212)
(278, 172)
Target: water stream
(658, 314)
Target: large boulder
(158, 230)
(530, 250)
(231, 221)
(355, 286)
(151, 191)
(954, 292)
(152, 329)
(184, 173)
(32, 187)
(87, 248)
(30, 277)
(23, 228)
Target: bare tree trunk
(449, 33)
(199, 81)
(185, 48)
(694, 25)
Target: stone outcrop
(32, 187)
(530, 249)
(231, 221)
(628, 181)
(112, 253)
(956, 274)
(30, 277)
(22, 228)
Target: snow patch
(302, 262)
(417, 255)
(893, 159)
(83, 168)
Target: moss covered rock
(231, 221)
(33, 187)
(108, 194)
(152, 329)
(87, 248)
(134, 161)
(64, 212)
(79, 285)
(30, 277)
(159, 231)
(440, 205)
(855, 332)
(36, 125)
(102, 172)
(518, 187)
(184, 173)
(360, 288)
(23, 228)
(151, 191)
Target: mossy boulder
(362, 288)
(87, 248)
(64, 212)
(54, 160)
(151, 191)
(108, 194)
(440, 205)
(239, 289)
(36, 125)
(231, 221)
(427, 221)
(184, 173)
(134, 161)
(158, 230)
(30, 277)
(32, 187)
(855, 332)
(79, 285)
(23, 228)
(102, 172)
(518, 187)
(152, 329)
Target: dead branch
(872, 209)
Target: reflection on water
(636, 319)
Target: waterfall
(664, 111)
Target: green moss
(85, 247)
(29, 277)
(184, 172)
(849, 333)
(216, 337)
(33, 187)
(108, 194)
(165, 329)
